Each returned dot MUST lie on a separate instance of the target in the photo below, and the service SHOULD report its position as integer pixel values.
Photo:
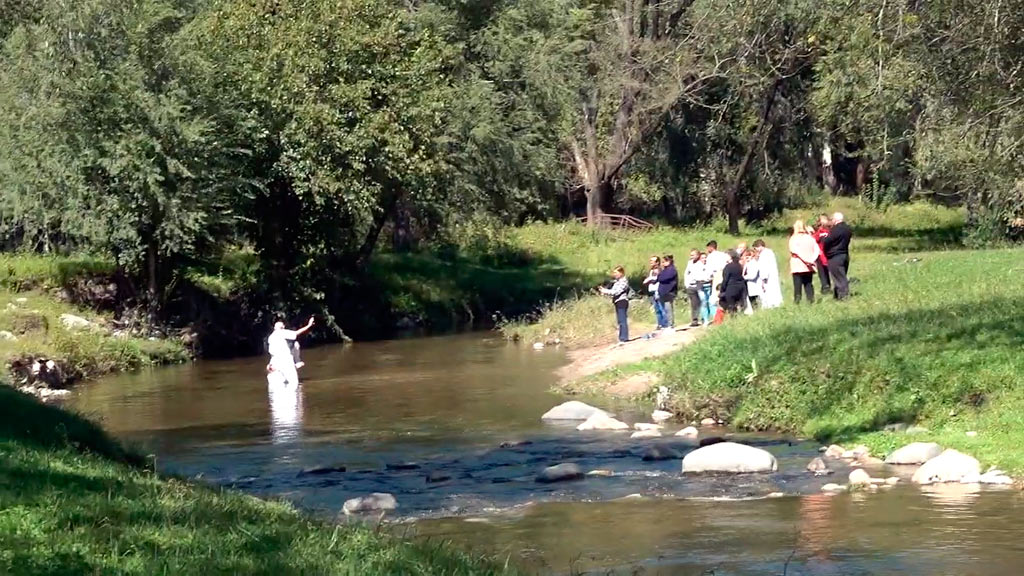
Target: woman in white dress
(768, 272)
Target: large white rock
(729, 457)
(602, 422)
(646, 434)
(950, 466)
(572, 410)
(661, 415)
(375, 502)
(72, 322)
(914, 453)
(859, 477)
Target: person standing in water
(282, 353)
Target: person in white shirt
(716, 260)
(282, 360)
(751, 273)
(693, 280)
(768, 269)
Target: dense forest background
(304, 136)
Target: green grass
(34, 318)
(72, 502)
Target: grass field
(933, 335)
(74, 502)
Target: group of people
(741, 280)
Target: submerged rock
(659, 453)
(710, 441)
(321, 470)
(642, 426)
(402, 466)
(730, 457)
(376, 502)
(572, 410)
(602, 422)
(601, 473)
(950, 466)
(646, 434)
(436, 476)
(818, 467)
(560, 473)
(914, 453)
(515, 444)
(688, 432)
(833, 488)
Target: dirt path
(586, 362)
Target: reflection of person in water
(815, 525)
(285, 412)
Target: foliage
(69, 503)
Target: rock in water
(642, 426)
(709, 422)
(436, 476)
(602, 422)
(402, 466)
(730, 457)
(688, 432)
(661, 415)
(834, 451)
(646, 434)
(601, 473)
(950, 466)
(376, 502)
(859, 477)
(818, 467)
(560, 473)
(833, 488)
(915, 453)
(321, 470)
(572, 410)
(659, 453)
(857, 453)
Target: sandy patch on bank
(586, 362)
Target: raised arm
(305, 328)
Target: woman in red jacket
(820, 233)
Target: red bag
(719, 317)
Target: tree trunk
(152, 280)
(732, 203)
(401, 236)
(370, 241)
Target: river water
(465, 412)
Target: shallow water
(394, 413)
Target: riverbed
(451, 426)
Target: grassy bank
(31, 307)
(74, 502)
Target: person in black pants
(734, 287)
(837, 251)
(668, 288)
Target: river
(465, 410)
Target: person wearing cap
(279, 345)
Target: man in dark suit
(837, 252)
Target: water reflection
(285, 412)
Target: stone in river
(602, 422)
(834, 451)
(601, 473)
(399, 466)
(321, 470)
(859, 477)
(711, 440)
(857, 453)
(709, 422)
(730, 457)
(833, 488)
(376, 502)
(950, 466)
(435, 476)
(643, 426)
(560, 473)
(818, 467)
(914, 453)
(688, 432)
(659, 453)
(661, 415)
(646, 434)
(572, 410)
(515, 444)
